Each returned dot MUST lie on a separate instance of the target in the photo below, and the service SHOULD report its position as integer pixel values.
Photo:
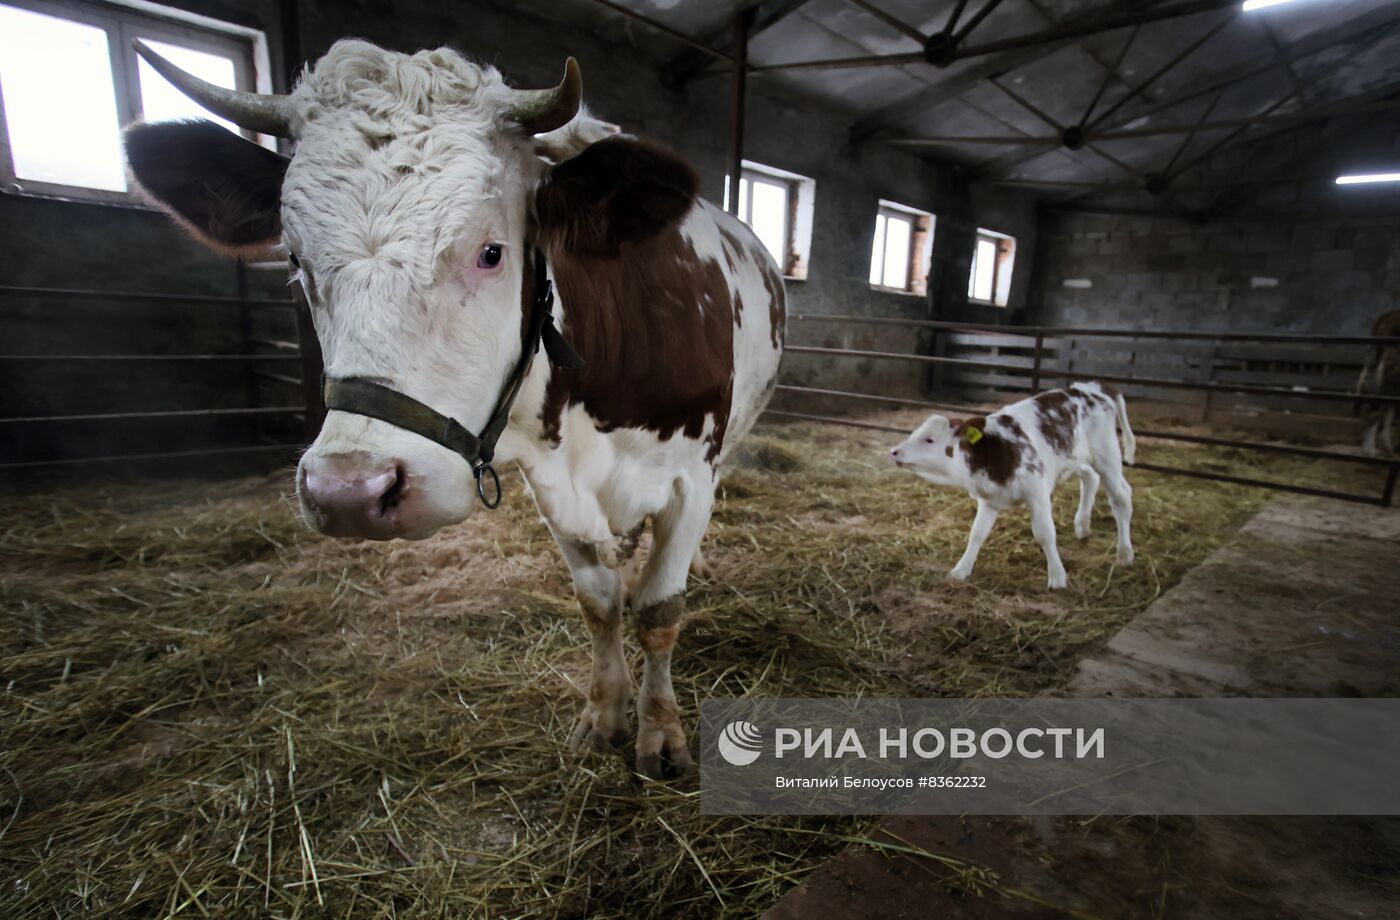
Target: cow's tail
(1129, 440)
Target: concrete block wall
(1326, 276)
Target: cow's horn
(540, 111)
(264, 113)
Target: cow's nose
(353, 495)
(894, 452)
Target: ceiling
(1002, 114)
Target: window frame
(1003, 242)
(123, 24)
(917, 248)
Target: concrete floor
(1302, 602)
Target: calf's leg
(603, 722)
(1120, 499)
(659, 603)
(1043, 527)
(981, 526)
(1088, 489)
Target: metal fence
(1037, 371)
(278, 360)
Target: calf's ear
(617, 191)
(224, 189)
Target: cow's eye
(928, 440)
(490, 256)
(292, 257)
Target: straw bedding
(207, 710)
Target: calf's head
(418, 187)
(933, 450)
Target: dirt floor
(206, 709)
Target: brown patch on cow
(993, 454)
(653, 321)
(655, 328)
(662, 614)
(617, 192)
(1057, 412)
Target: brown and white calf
(419, 187)
(1019, 453)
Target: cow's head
(417, 186)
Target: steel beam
(765, 15)
(1360, 28)
(1053, 36)
(893, 22)
(742, 21)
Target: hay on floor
(207, 710)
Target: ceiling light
(1261, 4)
(1367, 180)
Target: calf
(1019, 453)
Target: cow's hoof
(1058, 582)
(1125, 556)
(1081, 532)
(671, 762)
(958, 576)
(597, 732)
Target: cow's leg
(981, 526)
(1043, 527)
(659, 603)
(1088, 489)
(1369, 437)
(698, 566)
(603, 722)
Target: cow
(443, 225)
(1380, 376)
(1020, 452)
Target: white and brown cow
(419, 187)
(1020, 452)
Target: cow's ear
(617, 191)
(225, 190)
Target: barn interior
(210, 709)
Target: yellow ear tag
(973, 435)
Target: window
(69, 80)
(992, 258)
(778, 206)
(899, 253)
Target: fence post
(1035, 366)
(1388, 495)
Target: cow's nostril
(392, 495)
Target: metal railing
(259, 366)
(1038, 372)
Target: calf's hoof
(1058, 582)
(1081, 531)
(1125, 555)
(959, 576)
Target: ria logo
(740, 743)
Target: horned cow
(430, 213)
(1019, 453)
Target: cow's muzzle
(352, 495)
